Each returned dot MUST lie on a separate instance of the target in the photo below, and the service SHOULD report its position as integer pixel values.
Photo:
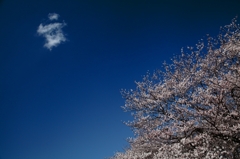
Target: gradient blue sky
(65, 103)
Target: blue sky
(61, 99)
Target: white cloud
(52, 32)
(53, 16)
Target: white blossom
(192, 110)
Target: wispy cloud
(52, 32)
(53, 16)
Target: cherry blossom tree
(192, 109)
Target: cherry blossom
(192, 109)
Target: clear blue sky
(65, 103)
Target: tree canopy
(192, 108)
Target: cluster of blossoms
(192, 109)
